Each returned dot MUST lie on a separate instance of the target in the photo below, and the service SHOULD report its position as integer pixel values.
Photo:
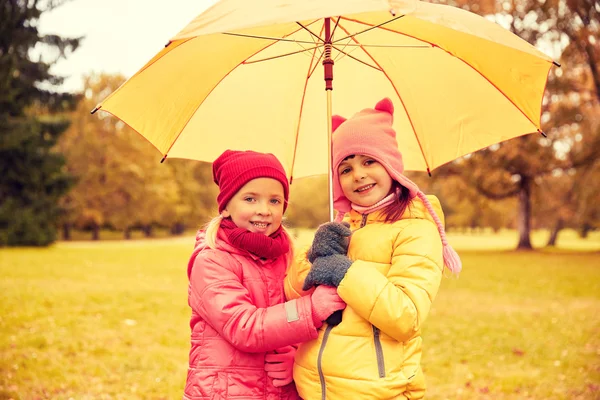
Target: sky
(120, 35)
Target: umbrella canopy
(248, 75)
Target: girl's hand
(329, 270)
(280, 365)
(331, 238)
(324, 302)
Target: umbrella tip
(95, 109)
(428, 172)
(542, 133)
(163, 159)
(168, 43)
(556, 63)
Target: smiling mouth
(260, 225)
(364, 188)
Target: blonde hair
(212, 227)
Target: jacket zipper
(364, 220)
(379, 352)
(376, 339)
(319, 367)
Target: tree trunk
(127, 233)
(177, 228)
(524, 218)
(147, 230)
(96, 232)
(585, 229)
(66, 231)
(554, 234)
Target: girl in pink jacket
(242, 330)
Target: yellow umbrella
(245, 75)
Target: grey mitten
(328, 270)
(331, 238)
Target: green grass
(102, 321)
(107, 234)
(517, 326)
(507, 240)
(109, 320)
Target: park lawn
(109, 320)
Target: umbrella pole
(328, 67)
(329, 161)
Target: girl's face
(364, 180)
(257, 206)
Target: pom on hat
(337, 121)
(386, 105)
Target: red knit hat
(233, 169)
(369, 132)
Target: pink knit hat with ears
(369, 132)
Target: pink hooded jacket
(239, 314)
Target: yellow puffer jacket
(375, 352)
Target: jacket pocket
(416, 386)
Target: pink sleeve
(218, 296)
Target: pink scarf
(377, 206)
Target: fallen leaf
(518, 352)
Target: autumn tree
(522, 166)
(121, 182)
(465, 208)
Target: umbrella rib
(337, 22)
(313, 58)
(315, 42)
(346, 45)
(433, 45)
(316, 64)
(311, 32)
(391, 46)
(282, 55)
(341, 51)
(276, 39)
(356, 59)
(399, 97)
(366, 30)
(389, 30)
(302, 109)
(221, 80)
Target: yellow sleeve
(296, 273)
(398, 303)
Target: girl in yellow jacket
(386, 260)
